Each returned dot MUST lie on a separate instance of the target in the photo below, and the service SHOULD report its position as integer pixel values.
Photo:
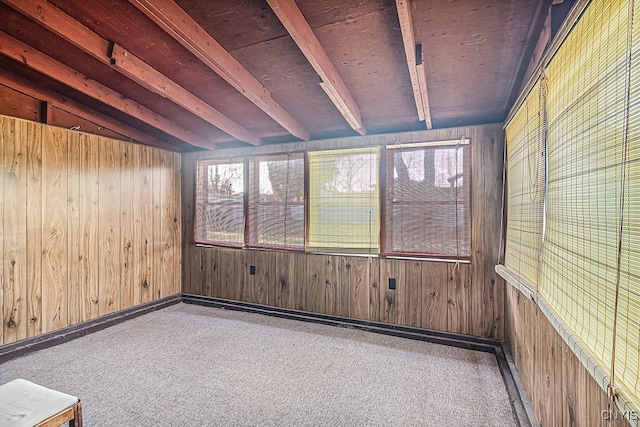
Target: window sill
(515, 281)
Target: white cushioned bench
(25, 404)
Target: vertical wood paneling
(34, 229)
(315, 288)
(458, 298)
(54, 229)
(340, 274)
(246, 286)
(71, 205)
(596, 403)
(300, 281)
(4, 135)
(544, 366)
(15, 232)
(388, 307)
(265, 274)
(228, 279)
(285, 276)
(211, 268)
(144, 220)
(359, 274)
(73, 228)
(529, 344)
(493, 291)
(413, 304)
(478, 212)
(177, 224)
(246, 289)
(154, 176)
(400, 273)
(580, 386)
(560, 389)
(168, 221)
(109, 226)
(128, 153)
(89, 224)
(393, 307)
(487, 292)
(560, 403)
(192, 280)
(434, 295)
(374, 290)
(195, 262)
(333, 285)
(570, 389)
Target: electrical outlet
(252, 270)
(392, 282)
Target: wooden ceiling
(194, 74)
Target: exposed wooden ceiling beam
(424, 94)
(82, 37)
(48, 66)
(416, 66)
(54, 99)
(177, 23)
(299, 29)
(143, 74)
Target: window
(333, 205)
(344, 201)
(525, 135)
(220, 202)
(574, 233)
(426, 200)
(276, 201)
(589, 171)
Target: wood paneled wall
(561, 390)
(458, 297)
(88, 226)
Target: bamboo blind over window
(276, 201)
(586, 112)
(627, 365)
(344, 201)
(590, 236)
(525, 139)
(219, 216)
(427, 209)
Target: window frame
(374, 250)
(201, 188)
(380, 250)
(248, 230)
(386, 213)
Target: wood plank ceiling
(194, 74)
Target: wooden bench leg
(77, 416)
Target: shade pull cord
(541, 136)
(544, 131)
(455, 194)
(286, 197)
(611, 388)
(541, 151)
(502, 244)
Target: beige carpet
(203, 366)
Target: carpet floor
(204, 366)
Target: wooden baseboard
(520, 405)
(513, 386)
(26, 346)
